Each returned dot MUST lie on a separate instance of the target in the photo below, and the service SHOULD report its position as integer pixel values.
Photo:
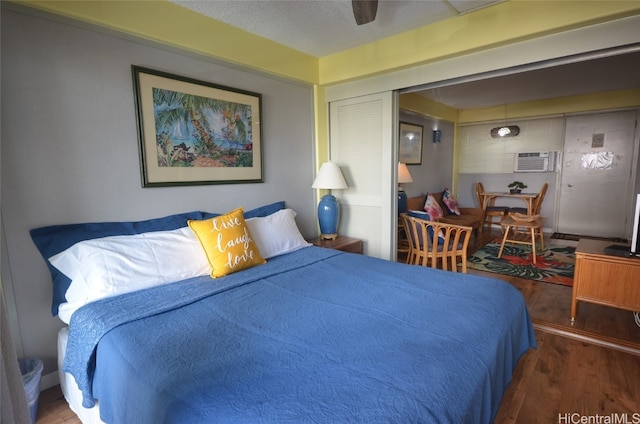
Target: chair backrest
(479, 192)
(540, 198)
(436, 244)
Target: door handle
(569, 185)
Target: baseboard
(560, 242)
(49, 380)
(575, 237)
(588, 337)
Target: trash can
(31, 370)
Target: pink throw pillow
(432, 207)
(450, 202)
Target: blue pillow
(425, 216)
(259, 212)
(54, 239)
(419, 215)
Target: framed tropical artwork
(410, 144)
(194, 132)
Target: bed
(308, 335)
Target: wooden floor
(589, 368)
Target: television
(632, 251)
(635, 239)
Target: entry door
(596, 174)
(362, 139)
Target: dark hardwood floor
(565, 376)
(53, 408)
(589, 368)
(549, 307)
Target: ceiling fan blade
(364, 10)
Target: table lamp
(404, 176)
(329, 177)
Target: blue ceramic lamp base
(402, 202)
(328, 214)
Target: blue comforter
(315, 335)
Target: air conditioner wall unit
(536, 162)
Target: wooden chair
(490, 211)
(437, 244)
(403, 242)
(537, 203)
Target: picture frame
(410, 143)
(193, 132)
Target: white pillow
(276, 234)
(66, 309)
(114, 265)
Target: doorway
(596, 184)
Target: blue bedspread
(316, 336)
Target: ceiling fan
(364, 10)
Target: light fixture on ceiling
(505, 131)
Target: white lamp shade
(329, 177)
(404, 176)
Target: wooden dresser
(604, 279)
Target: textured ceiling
(323, 27)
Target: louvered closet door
(362, 143)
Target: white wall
(482, 154)
(70, 148)
(491, 161)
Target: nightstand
(345, 244)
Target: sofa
(471, 217)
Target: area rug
(554, 264)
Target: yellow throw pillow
(227, 242)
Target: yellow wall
(420, 104)
(585, 103)
(322, 126)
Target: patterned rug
(554, 264)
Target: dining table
(489, 197)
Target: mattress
(70, 390)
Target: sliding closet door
(362, 143)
